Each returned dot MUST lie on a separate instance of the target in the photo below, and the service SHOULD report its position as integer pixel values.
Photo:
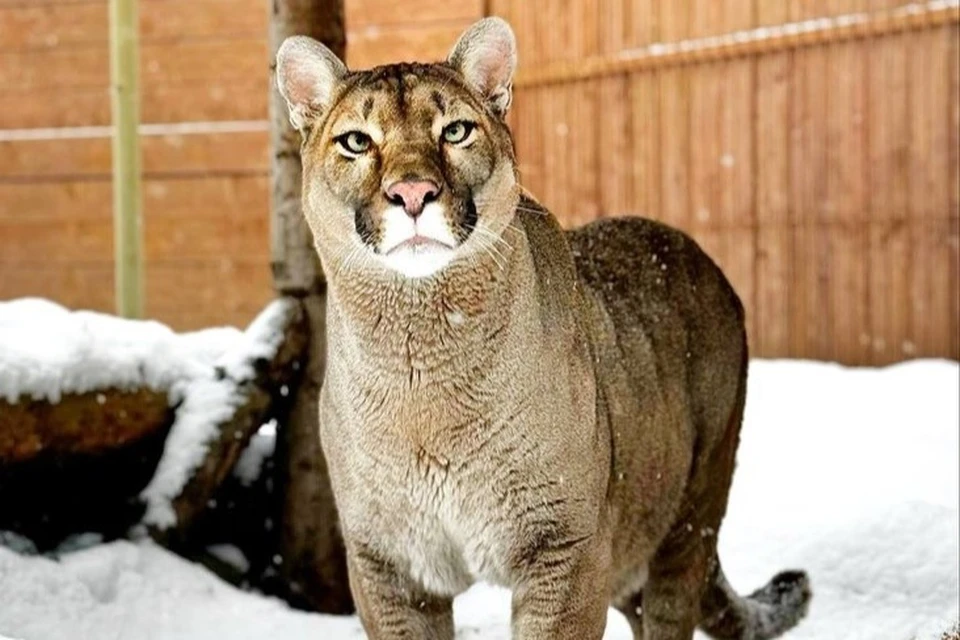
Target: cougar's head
(408, 166)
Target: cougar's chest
(438, 532)
(426, 500)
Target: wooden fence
(809, 145)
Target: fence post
(127, 203)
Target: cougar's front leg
(390, 605)
(564, 590)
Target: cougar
(556, 412)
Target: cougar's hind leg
(684, 562)
(678, 574)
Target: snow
(231, 555)
(918, 8)
(208, 399)
(261, 447)
(791, 29)
(47, 351)
(851, 474)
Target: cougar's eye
(353, 143)
(458, 132)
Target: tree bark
(312, 557)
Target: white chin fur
(418, 262)
(422, 261)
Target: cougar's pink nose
(412, 195)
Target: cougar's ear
(486, 55)
(307, 75)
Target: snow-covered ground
(851, 474)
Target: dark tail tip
(767, 613)
(786, 588)
(781, 603)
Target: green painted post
(127, 203)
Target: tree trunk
(312, 557)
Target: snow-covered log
(219, 414)
(78, 464)
(86, 401)
(244, 516)
(106, 422)
(79, 423)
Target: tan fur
(553, 412)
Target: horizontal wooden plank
(175, 198)
(66, 83)
(32, 160)
(239, 99)
(69, 25)
(364, 13)
(430, 42)
(33, 3)
(80, 287)
(48, 25)
(222, 197)
(84, 198)
(186, 295)
(245, 236)
(223, 60)
(52, 25)
(67, 240)
(63, 241)
(188, 81)
(227, 285)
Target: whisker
(540, 212)
(518, 207)
(488, 233)
(490, 249)
(345, 261)
(352, 257)
(485, 233)
(486, 248)
(495, 261)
